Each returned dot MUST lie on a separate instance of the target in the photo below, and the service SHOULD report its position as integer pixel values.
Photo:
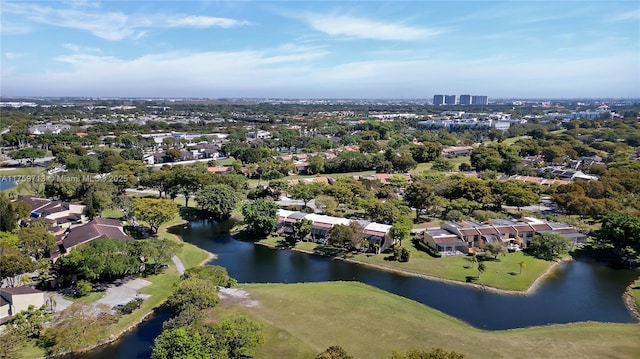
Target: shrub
(404, 255)
(83, 288)
(131, 306)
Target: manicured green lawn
(111, 213)
(635, 292)
(90, 298)
(160, 289)
(502, 273)
(303, 319)
(15, 171)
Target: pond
(574, 292)
(7, 182)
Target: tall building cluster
(462, 100)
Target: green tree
(154, 211)
(620, 232)
(178, 343)
(334, 352)
(384, 212)
(8, 221)
(75, 328)
(30, 154)
(301, 228)
(36, 242)
(22, 209)
(420, 196)
(347, 236)
(481, 268)
(495, 248)
(172, 155)
(326, 204)
(196, 292)
(216, 275)
(217, 200)
(316, 164)
(260, 216)
(442, 165)
(188, 180)
(548, 246)
(522, 266)
(13, 262)
(30, 322)
(401, 229)
(306, 191)
(155, 252)
(404, 162)
(101, 259)
(240, 335)
(435, 353)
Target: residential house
(95, 229)
(444, 241)
(511, 233)
(48, 128)
(16, 299)
(457, 151)
(221, 170)
(55, 213)
(377, 234)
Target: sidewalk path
(124, 293)
(179, 265)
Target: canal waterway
(574, 292)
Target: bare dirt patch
(236, 296)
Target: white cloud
(112, 26)
(13, 55)
(292, 71)
(625, 16)
(78, 48)
(353, 27)
(202, 22)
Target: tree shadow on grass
(331, 251)
(286, 243)
(471, 279)
(416, 244)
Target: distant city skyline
(315, 49)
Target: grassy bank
(635, 293)
(501, 273)
(303, 319)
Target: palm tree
(51, 302)
(474, 259)
(25, 279)
(522, 266)
(481, 268)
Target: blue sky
(320, 49)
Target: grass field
(635, 292)
(303, 319)
(501, 273)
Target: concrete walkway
(179, 265)
(124, 293)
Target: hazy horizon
(320, 50)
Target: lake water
(575, 292)
(7, 182)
